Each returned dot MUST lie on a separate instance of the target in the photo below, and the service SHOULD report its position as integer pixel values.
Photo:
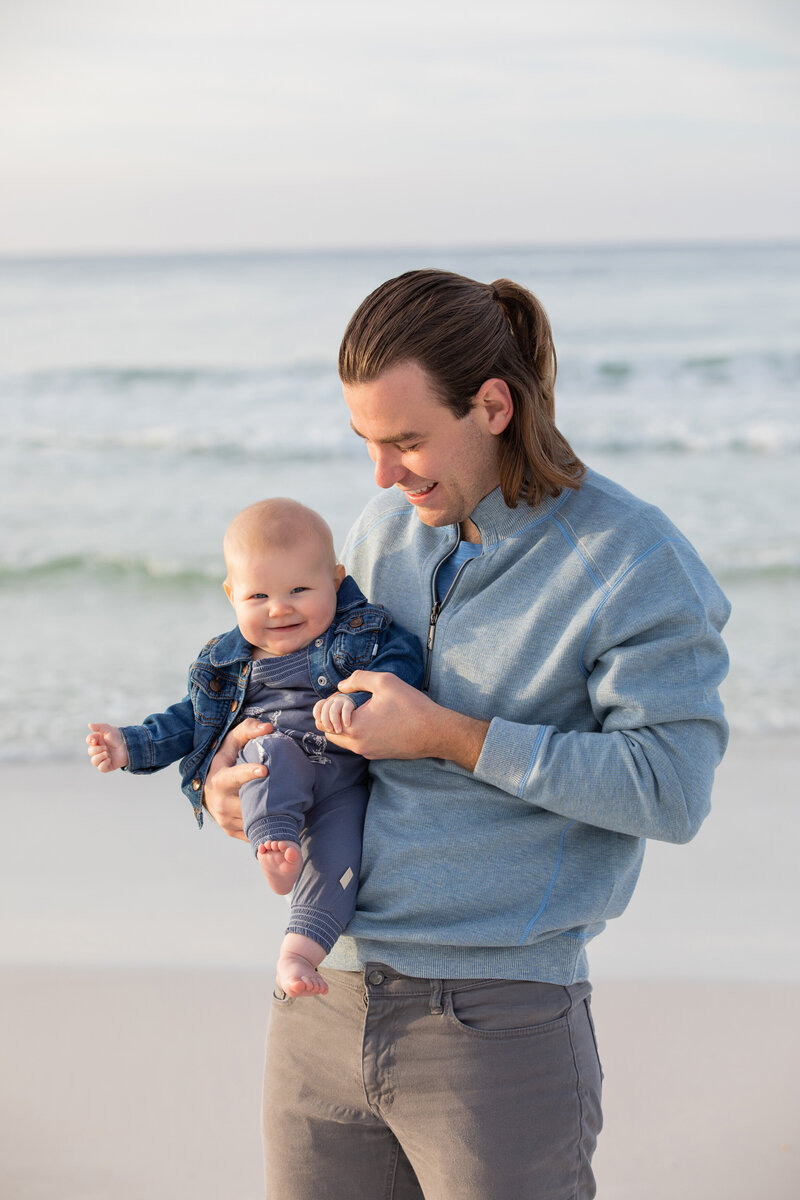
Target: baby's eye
(259, 596)
(299, 589)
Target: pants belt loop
(436, 996)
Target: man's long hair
(462, 333)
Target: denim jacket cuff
(139, 747)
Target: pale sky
(224, 124)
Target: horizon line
(665, 243)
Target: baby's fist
(334, 713)
(106, 747)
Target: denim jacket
(362, 636)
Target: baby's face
(284, 598)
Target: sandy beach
(129, 1079)
(145, 1086)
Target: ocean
(146, 399)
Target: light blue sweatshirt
(588, 632)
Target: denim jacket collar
(229, 648)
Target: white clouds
(200, 124)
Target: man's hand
(225, 777)
(401, 722)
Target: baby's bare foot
(298, 977)
(281, 863)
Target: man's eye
(411, 448)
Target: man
(569, 711)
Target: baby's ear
(338, 575)
(228, 590)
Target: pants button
(376, 977)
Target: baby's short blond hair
(276, 524)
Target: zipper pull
(432, 628)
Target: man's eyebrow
(410, 436)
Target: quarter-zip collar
(495, 521)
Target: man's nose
(388, 466)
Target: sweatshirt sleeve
(652, 660)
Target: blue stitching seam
(608, 596)
(551, 885)
(396, 512)
(534, 752)
(599, 583)
(548, 516)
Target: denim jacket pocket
(213, 692)
(356, 639)
(354, 653)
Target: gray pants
(393, 1088)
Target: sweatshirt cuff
(509, 754)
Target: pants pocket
(508, 1007)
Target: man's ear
(338, 575)
(228, 590)
(495, 402)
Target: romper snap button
(318, 642)
(322, 680)
(376, 977)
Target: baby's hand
(334, 714)
(107, 748)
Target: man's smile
(418, 494)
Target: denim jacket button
(215, 685)
(196, 784)
(322, 680)
(234, 705)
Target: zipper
(436, 608)
(434, 617)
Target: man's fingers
(361, 681)
(243, 772)
(249, 729)
(241, 734)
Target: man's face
(444, 465)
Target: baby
(303, 627)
